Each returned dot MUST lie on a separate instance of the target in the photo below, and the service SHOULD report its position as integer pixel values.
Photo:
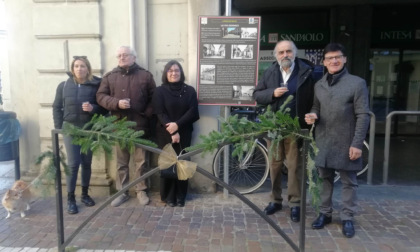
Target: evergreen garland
(45, 181)
(103, 132)
(99, 134)
(275, 126)
(314, 181)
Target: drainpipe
(132, 18)
(142, 46)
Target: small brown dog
(17, 198)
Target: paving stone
(386, 222)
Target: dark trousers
(173, 190)
(75, 158)
(348, 193)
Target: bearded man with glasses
(127, 92)
(341, 114)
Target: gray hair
(132, 51)
(294, 48)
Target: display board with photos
(228, 49)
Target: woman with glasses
(176, 106)
(75, 103)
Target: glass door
(395, 86)
(408, 91)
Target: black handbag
(169, 173)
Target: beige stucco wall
(45, 34)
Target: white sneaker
(120, 199)
(143, 199)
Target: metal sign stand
(227, 114)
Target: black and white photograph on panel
(214, 51)
(207, 74)
(243, 93)
(242, 52)
(249, 33)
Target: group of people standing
(337, 104)
(128, 91)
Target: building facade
(43, 36)
(381, 37)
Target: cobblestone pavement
(388, 220)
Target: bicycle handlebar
(250, 112)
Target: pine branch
(101, 133)
(242, 133)
(275, 126)
(314, 180)
(45, 181)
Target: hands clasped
(173, 128)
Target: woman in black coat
(176, 107)
(75, 103)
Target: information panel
(227, 60)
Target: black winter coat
(271, 80)
(179, 106)
(69, 97)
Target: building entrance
(395, 86)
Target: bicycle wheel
(365, 158)
(244, 176)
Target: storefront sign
(395, 35)
(300, 38)
(227, 60)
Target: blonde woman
(75, 103)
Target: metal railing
(371, 147)
(388, 139)
(62, 242)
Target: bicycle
(250, 173)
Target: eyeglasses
(174, 71)
(124, 55)
(79, 57)
(329, 59)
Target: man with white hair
(288, 75)
(127, 91)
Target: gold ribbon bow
(185, 169)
